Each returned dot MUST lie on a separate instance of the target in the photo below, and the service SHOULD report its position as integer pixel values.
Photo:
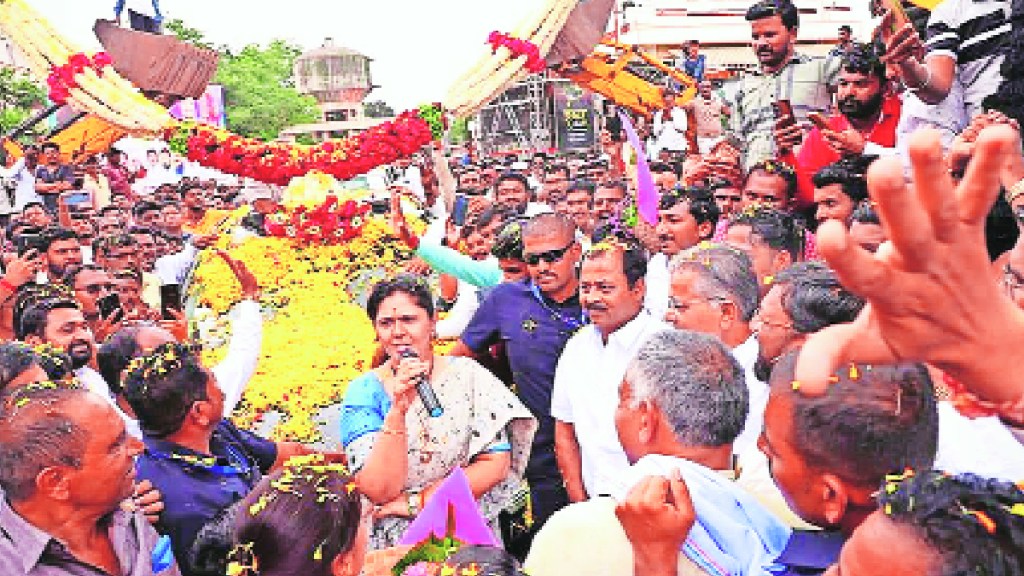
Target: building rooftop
(329, 48)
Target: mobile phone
(460, 209)
(170, 299)
(28, 241)
(76, 198)
(784, 112)
(818, 119)
(109, 305)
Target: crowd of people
(802, 365)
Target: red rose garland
(61, 80)
(329, 223)
(278, 163)
(518, 47)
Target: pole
(28, 124)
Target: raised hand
(657, 516)
(929, 289)
(250, 285)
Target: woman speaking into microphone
(399, 452)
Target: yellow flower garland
(317, 339)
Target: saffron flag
(646, 192)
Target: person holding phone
(966, 43)
(802, 81)
(865, 125)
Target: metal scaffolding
(520, 119)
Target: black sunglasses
(551, 256)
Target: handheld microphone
(423, 388)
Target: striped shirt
(804, 82)
(975, 34)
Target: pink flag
(646, 191)
(471, 528)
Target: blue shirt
(157, 16)
(810, 553)
(694, 68)
(195, 493)
(534, 329)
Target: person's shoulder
(509, 291)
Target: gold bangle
(1013, 192)
(390, 432)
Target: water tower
(339, 79)
(332, 73)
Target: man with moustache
(866, 124)
(66, 468)
(593, 363)
(61, 324)
(803, 299)
(783, 75)
(686, 216)
(534, 320)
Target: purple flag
(470, 526)
(646, 191)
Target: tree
(187, 34)
(259, 94)
(260, 98)
(459, 131)
(19, 96)
(377, 109)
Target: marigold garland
(316, 336)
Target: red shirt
(815, 153)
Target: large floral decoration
(65, 78)
(330, 223)
(316, 335)
(518, 47)
(279, 162)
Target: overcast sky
(419, 47)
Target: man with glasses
(534, 319)
(803, 299)
(714, 291)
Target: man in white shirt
(686, 216)
(680, 405)
(714, 291)
(669, 131)
(592, 366)
(24, 174)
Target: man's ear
(730, 314)
(834, 497)
(344, 565)
(53, 482)
(781, 261)
(705, 230)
